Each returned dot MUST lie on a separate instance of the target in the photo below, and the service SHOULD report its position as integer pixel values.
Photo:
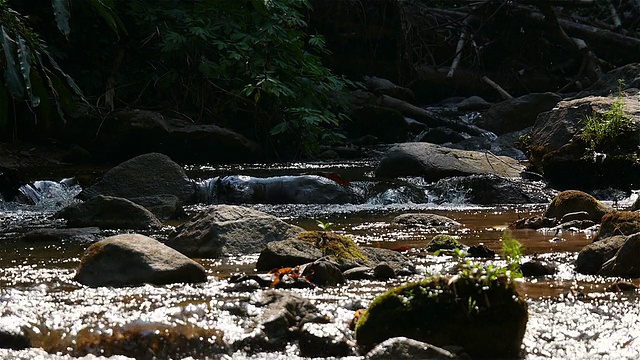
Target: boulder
(557, 149)
(473, 103)
(145, 175)
(484, 315)
(388, 125)
(490, 189)
(107, 212)
(402, 348)
(309, 246)
(323, 273)
(400, 263)
(440, 135)
(223, 230)
(133, 259)
(380, 86)
(74, 235)
(300, 189)
(444, 242)
(591, 257)
(571, 201)
(123, 134)
(425, 220)
(285, 313)
(536, 268)
(325, 340)
(619, 223)
(517, 113)
(435, 162)
(626, 262)
(163, 206)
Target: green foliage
(249, 62)
(512, 251)
(602, 131)
(324, 225)
(31, 74)
(339, 247)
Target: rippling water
(570, 315)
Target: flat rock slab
(133, 259)
(434, 162)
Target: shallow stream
(571, 316)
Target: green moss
(339, 247)
(603, 131)
(443, 242)
(619, 223)
(479, 309)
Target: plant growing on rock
(512, 252)
(602, 131)
(339, 247)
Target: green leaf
(105, 10)
(12, 77)
(280, 128)
(24, 55)
(68, 78)
(62, 14)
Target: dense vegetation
(248, 65)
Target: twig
(505, 95)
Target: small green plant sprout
(324, 225)
(512, 251)
(601, 131)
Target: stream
(571, 316)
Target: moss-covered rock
(479, 311)
(619, 223)
(444, 242)
(571, 201)
(340, 248)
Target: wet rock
(359, 273)
(380, 86)
(486, 317)
(383, 271)
(435, 162)
(107, 212)
(74, 235)
(440, 135)
(386, 124)
(264, 280)
(533, 222)
(246, 286)
(133, 259)
(11, 334)
(122, 134)
(444, 242)
(481, 251)
(301, 189)
(489, 189)
(619, 223)
(557, 149)
(427, 220)
(517, 113)
(578, 215)
(287, 253)
(536, 268)
(312, 245)
(163, 206)
(325, 340)
(152, 341)
(402, 348)
(591, 257)
(145, 175)
(473, 103)
(323, 273)
(572, 201)
(400, 263)
(626, 262)
(574, 225)
(223, 230)
(621, 286)
(284, 315)
(9, 184)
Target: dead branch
(505, 95)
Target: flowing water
(570, 315)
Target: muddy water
(571, 316)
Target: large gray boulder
(229, 230)
(626, 262)
(145, 175)
(434, 162)
(107, 212)
(517, 113)
(591, 257)
(133, 259)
